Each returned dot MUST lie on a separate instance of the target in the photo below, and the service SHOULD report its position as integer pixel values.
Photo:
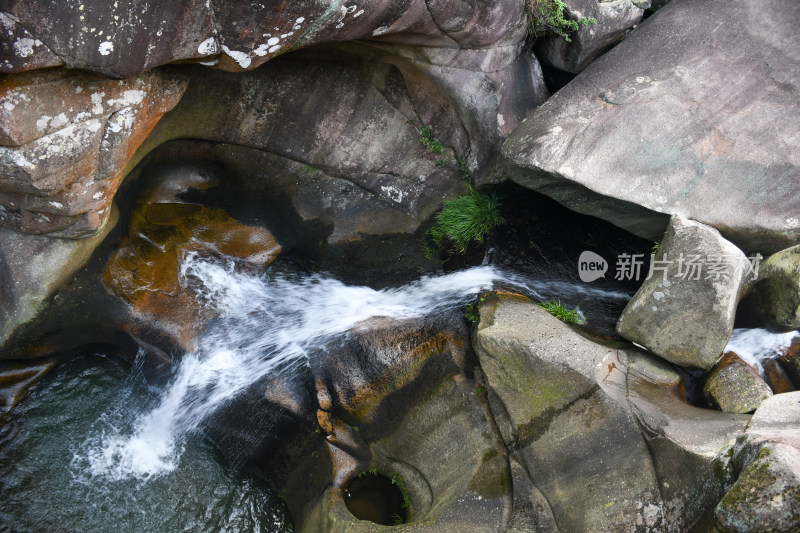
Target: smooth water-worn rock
(630, 416)
(33, 267)
(395, 396)
(685, 311)
(65, 139)
(567, 420)
(691, 114)
(613, 20)
(774, 302)
(735, 386)
(766, 495)
(689, 445)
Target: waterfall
(266, 325)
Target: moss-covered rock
(774, 302)
(735, 386)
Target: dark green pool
(47, 485)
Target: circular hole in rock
(375, 497)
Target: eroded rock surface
(65, 140)
(581, 417)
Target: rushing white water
(267, 325)
(757, 345)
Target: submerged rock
(774, 302)
(684, 311)
(146, 270)
(682, 117)
(735, 386)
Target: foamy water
(266, 326)
(757, 345)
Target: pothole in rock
(377, 498)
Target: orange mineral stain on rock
(145, 271)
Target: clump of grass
(466, 219)
(557, 309)
(549, 15)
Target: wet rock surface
(146, 269)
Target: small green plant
(398, 480)
(549, 15)
(428, 140)
(557, 309)
(466, 219)
(655, 248)
(397, 520)
(311, 168)
(480, 389)
(472, 312)
(371, 472)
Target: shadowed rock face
(692, 114)
(127, 38)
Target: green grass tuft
(557, 309)
(466, 219)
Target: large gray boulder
(692, 114)
(774, 302)
(684, 311)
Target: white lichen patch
(242, 59)
(792, 223)
(105, 48)
(393, 193)
(97, 101)
(209, 47)
(24, 47)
